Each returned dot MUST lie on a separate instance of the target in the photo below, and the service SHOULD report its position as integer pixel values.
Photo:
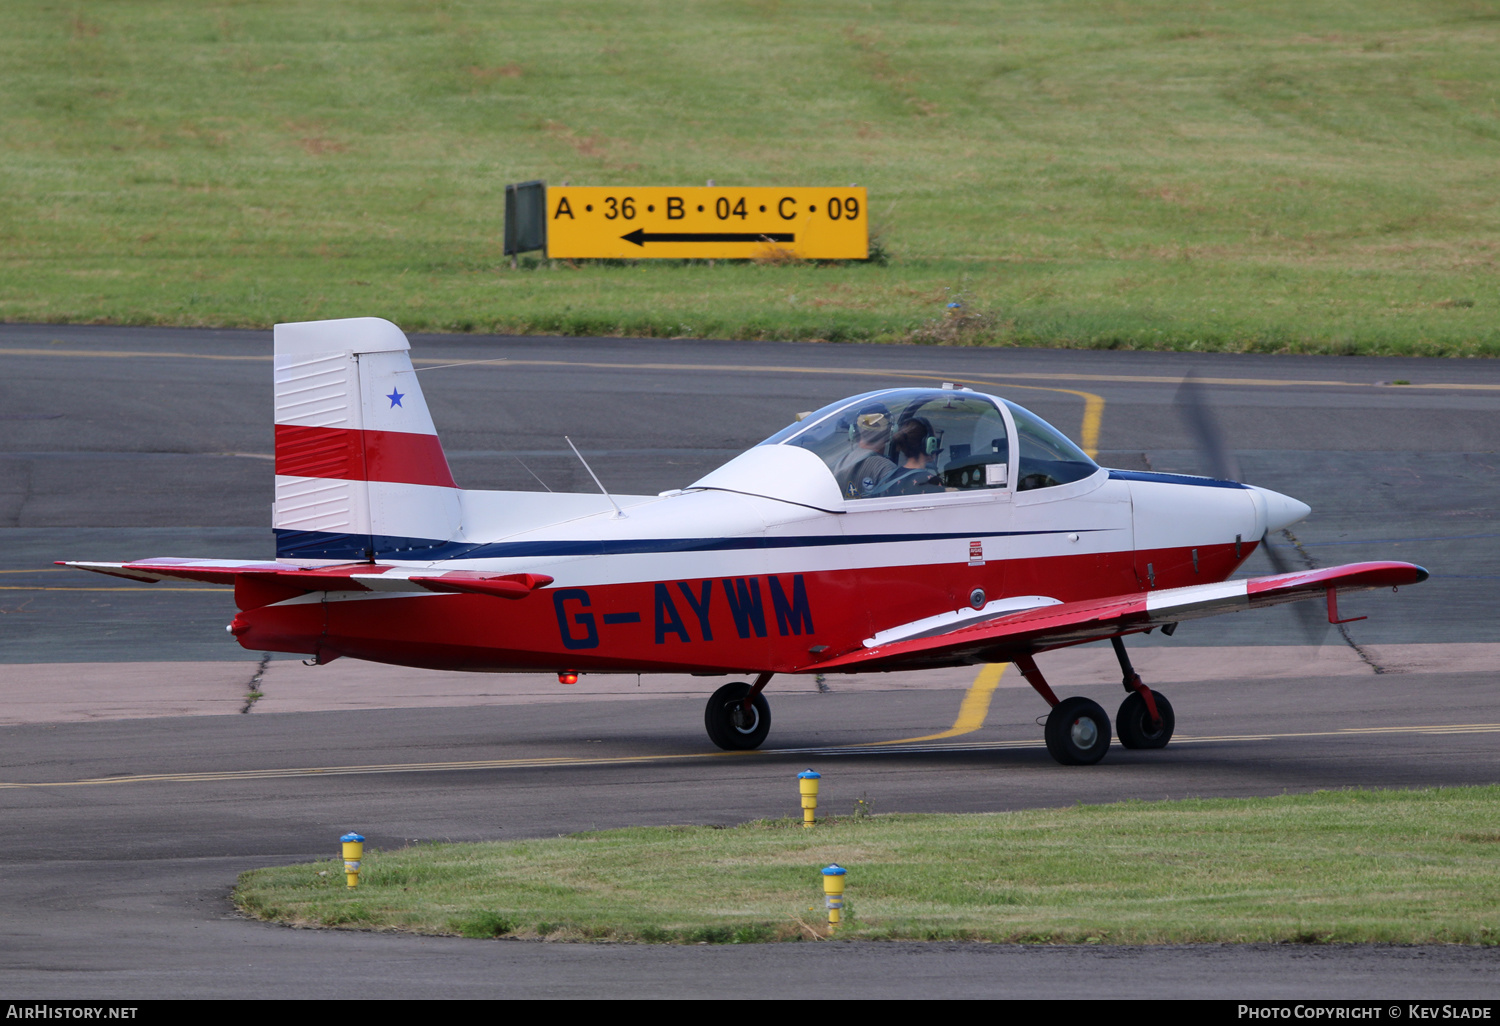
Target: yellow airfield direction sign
(707, 222)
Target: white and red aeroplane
(899, 529)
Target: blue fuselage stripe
(1176, 479)
(313, 545)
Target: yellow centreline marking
(436, 364)
(414, 767)
(559, 762)
(1130, 379)
(1457, 726)
(971, 714)
(1093, 411)
(128, 587)
(1093, 416)
(127, 354)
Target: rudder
(360, 473)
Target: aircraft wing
(263, 582)
(1070, 623)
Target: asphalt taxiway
(134, 789)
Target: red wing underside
(1072, 623)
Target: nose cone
(1281, 510)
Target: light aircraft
(899, 529)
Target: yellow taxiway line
(1093, 411)
(1127, 379)
(123, 587)
(70, 570)
(1131, 379)
(564, 762)
(971, 714)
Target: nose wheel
(731, 722)
(1136, 727)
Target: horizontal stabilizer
(287, 579)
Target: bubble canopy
(911, 441)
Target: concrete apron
(75, 692)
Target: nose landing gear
(1135, 724)
(1145, 718)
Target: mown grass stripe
(1332, 866)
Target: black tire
(723, 715)
(1077, 732)
(1133, 722)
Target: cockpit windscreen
(1047, 456)
(907, 442)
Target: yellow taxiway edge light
(833, 894)
(807, 787)
(354, 853)
(706, 222)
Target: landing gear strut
(1077, 730)
(738, 717)
(1145, 718)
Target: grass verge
(1274, 177)
(1332, 866)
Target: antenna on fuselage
(619, 513)
(528, 470)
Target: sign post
(525, 217)
(604, 222)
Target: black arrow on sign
(640, 237)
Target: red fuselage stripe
(394, 456)
(769, 621)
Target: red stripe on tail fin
(394, 456)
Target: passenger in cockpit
(915, 446)
(864, 466)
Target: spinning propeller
(1203, 428)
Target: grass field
(1332, 866)
(1279, 176)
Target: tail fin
(360, 473)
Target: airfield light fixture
(833, 894)
(807, 783)
(354, 852)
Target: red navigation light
(567, 677)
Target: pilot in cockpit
(915, 445)
(863, 467)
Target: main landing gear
(1077, 730)
(738, 717)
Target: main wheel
(728, 723)
(1077, 732)
(1133, 722)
